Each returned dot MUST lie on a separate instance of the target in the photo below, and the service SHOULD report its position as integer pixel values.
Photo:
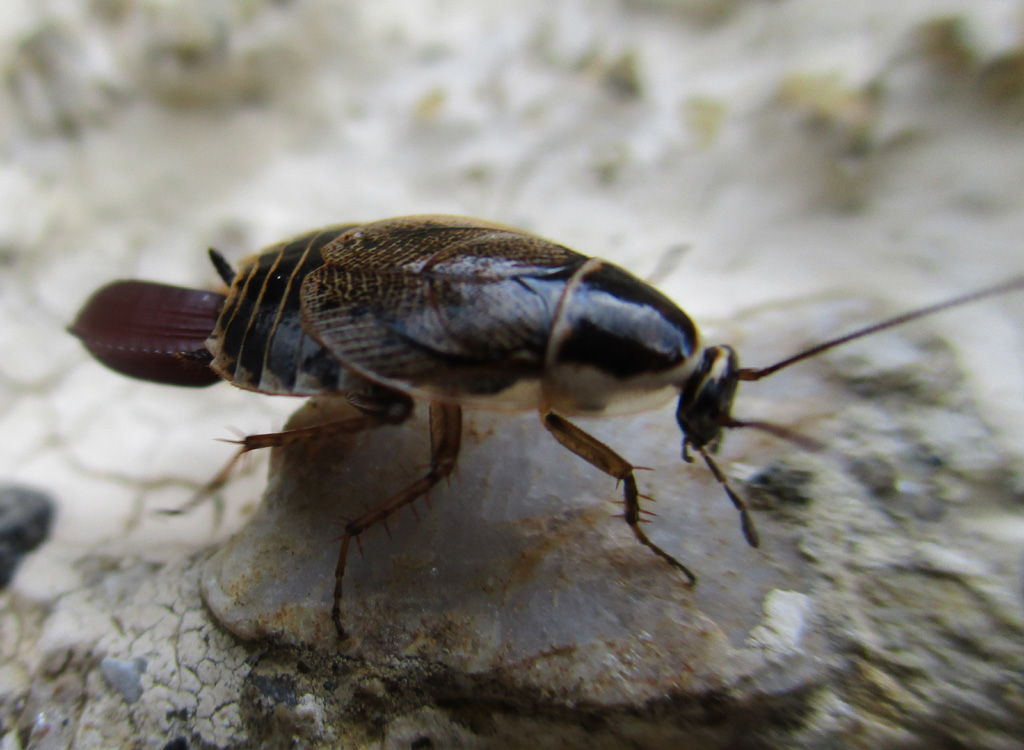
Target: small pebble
(25, 518)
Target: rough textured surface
(758, 160)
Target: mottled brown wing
(452, 245)
(438, 306)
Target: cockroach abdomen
(150, 331)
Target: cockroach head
(705, 401)
(705, 404)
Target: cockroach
(454, 311)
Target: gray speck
(780, 484)
(124, 676)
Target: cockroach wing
(450, 245)
(451, 312)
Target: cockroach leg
(376, 407)
(208, 491)
(314, 433)
(746, 520)
(445, 440)
(599, 455)
(395, 411)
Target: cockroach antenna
(1013, 285)
(707, 395)
(751, 374)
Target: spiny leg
(377, 406)
(746, 521)
(599, 455)
(445, 440)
